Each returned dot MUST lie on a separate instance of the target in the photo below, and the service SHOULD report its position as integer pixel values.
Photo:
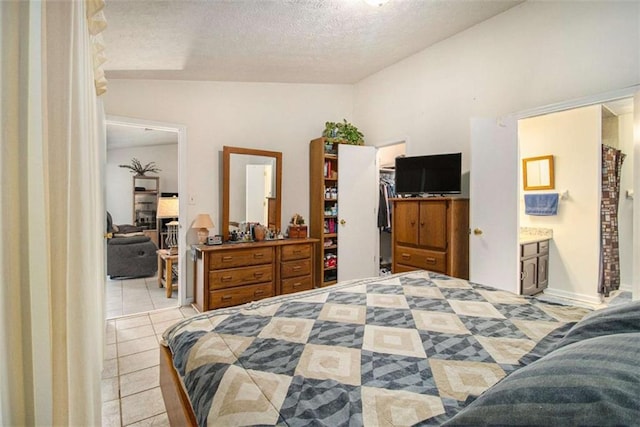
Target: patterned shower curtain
(609, 252)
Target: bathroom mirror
(537, 173)
(251, 191)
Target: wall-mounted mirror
(252, 181)
(537, 173)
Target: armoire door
(357, 212)
(433, 225)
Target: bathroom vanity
(534, 259)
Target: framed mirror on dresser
(252, 188)
(241, 271)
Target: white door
(494, 203)
(257, 190)
(357, 212)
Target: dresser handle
(297, 251)
(226, 297)
(258, 274)
(226, 278)
(258, 255)
(406, 256)
(258, 292)
(296, 267)
(227, 258)
(297, 284)
(431, 260)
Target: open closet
(385, 159)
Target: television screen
(431, 174)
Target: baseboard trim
(590, 300)
(626, 287)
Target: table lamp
(203, 223)
(168, 207)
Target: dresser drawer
(239, 295)
(297, 268)
(240, 258)
(291, 252)
(229, 278)
(422, 258)
(296, 284)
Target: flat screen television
(431, 174)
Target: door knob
(477, 231)
(343, 222)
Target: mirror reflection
(537, 173)
(253, 183)
(251, 188)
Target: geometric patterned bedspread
(410, 348)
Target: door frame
(182, 188)
(601, 98)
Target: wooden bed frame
(179, 408)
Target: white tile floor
(130, 296)
(130, 386)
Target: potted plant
(137, 168)
(297, 229)
(342, 133)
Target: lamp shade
(203, 221)
(168, 207)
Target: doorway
(494, 193)
(134, 204)
(575, 137)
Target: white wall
(573, 138)
(532, 55)
(535, 54)
(119, 182)
(269, 116)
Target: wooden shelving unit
(146, 190)
(323, 215)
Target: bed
(414, 348)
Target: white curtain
(51, 215)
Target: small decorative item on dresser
(297, 229)
(214, 240)
(202, 223)
(259, 232)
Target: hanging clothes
(387, 191)
(612, 160)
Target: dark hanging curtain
(609, 249)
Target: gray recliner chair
(130, 255)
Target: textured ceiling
(293, 41)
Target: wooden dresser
(236, 273)
(431, 234)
